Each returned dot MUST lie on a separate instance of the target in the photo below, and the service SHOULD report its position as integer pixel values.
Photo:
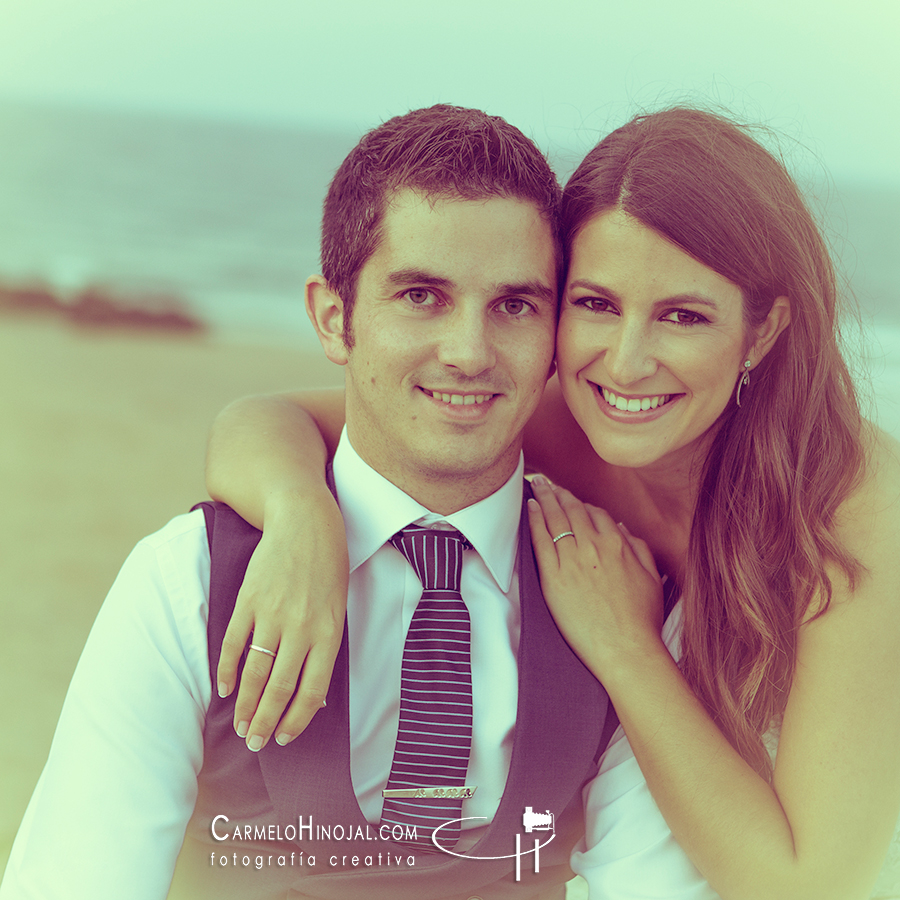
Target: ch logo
(531, 821)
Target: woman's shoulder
(868, 521)
(875, 501)
(883, 453)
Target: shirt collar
(374, 510)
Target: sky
(826, 74)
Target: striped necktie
(435, 733)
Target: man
(439, 299)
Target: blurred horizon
(824, 74)
(224, 214)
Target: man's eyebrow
(530, 288)
(687, 297)
(418, 276)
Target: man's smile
(454, 398)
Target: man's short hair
(442, 151)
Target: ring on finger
(263, 650)
(563, 534)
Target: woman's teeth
(460, 399)
(634, 404)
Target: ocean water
(226, 216)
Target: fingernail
(242, 728)
(533, 503)
(223, 689)
(283, 738)
(255, 743)
(324, 702)
(539, 479)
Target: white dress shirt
(111, 806)
(383, 595)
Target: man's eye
(420, 296)
(515, 307)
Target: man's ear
(777, 320)
(326, 312)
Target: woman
(702, 403)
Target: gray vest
(557, 740)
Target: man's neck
(374, 508)
(441, 491)
(445, 498)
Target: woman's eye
(684, 317)
(594, 304)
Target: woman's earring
(743, 381)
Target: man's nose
(466, 341)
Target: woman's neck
(671, 490)
(657, 504)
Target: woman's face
(650, 343)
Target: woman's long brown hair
(763, 533)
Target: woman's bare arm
(286, 438)
(267, 457)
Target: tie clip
(431, 792)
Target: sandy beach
(102, 441)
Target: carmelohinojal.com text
(222, 830)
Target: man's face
(453, 327)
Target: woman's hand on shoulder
(293, 603)
(600, 581)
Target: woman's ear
(777, 320)
(326, 312)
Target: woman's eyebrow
(592, 286)
(695, 299)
